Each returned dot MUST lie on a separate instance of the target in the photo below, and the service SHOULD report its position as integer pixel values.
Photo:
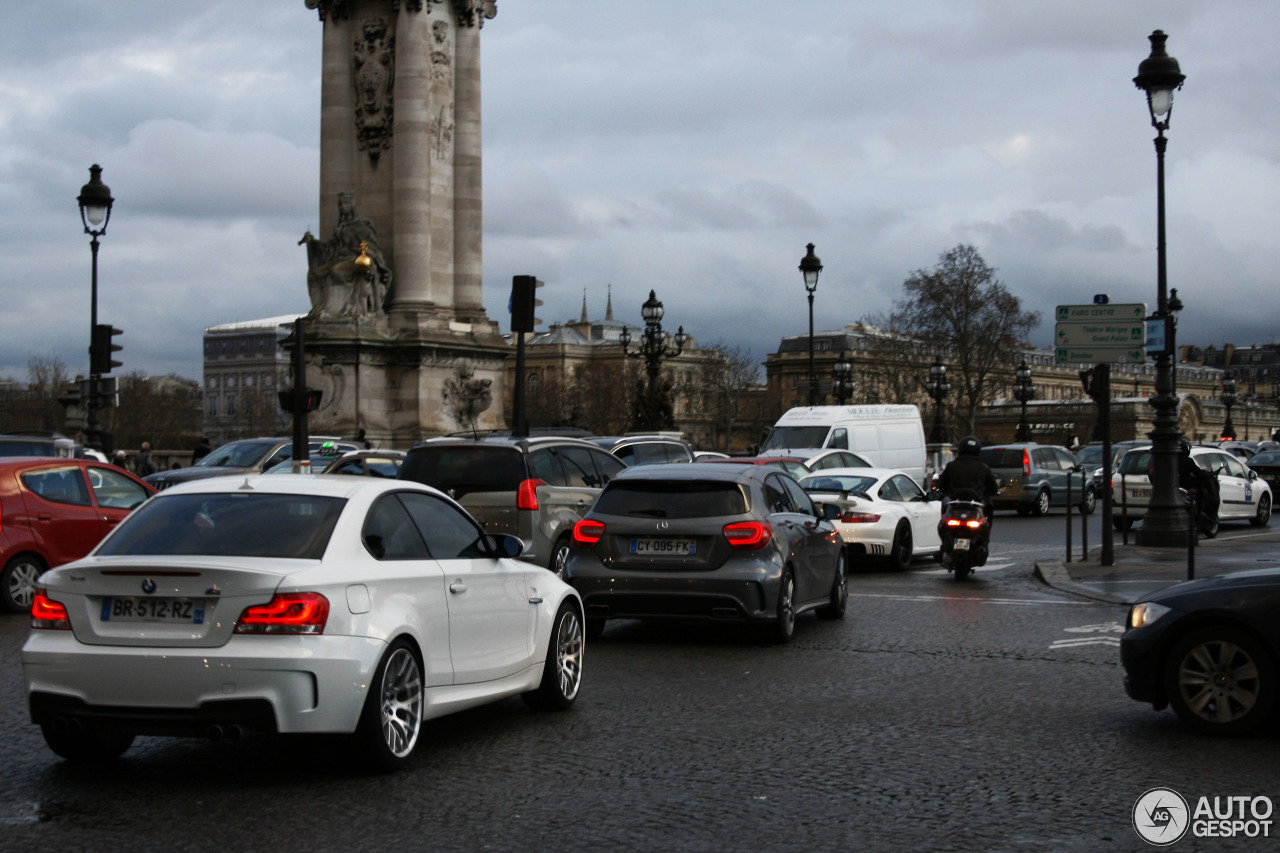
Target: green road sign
(1100, 334)
(1123, 312)
(1100, 355)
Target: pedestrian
(202, 450)
(360, 439)
(144, 464)
(119, 460)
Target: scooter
(965, 531)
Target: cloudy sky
(690, 148)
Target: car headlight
(1141, 615)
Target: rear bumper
(273, 683)
(739, 591)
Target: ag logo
(1161, 816)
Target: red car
(53, 511)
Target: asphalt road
(983, 715)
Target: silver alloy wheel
(569, 647)
(1042, 503)
(1218, 681)
(401, 702)
(560, 558)
(23, 578)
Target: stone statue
(467, 396)
(347, 275)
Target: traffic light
(101, 347)
(1096, 382)
(310, 399)
(524, 293)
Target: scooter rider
(968, 473)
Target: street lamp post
(1166, 522)
(1023, 392)
(937, 387)
(1250, 399)
(652, 411)
(811, 267)
(1228, 399)
(842, 384)
(95, 212)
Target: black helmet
(969, 445)
(1184, 446)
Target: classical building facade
(244, 367)
(891, 368)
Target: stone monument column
(397, 336)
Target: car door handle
(535, 599)
(457, 587)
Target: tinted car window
(390, 534)
(1001, 457)
(839, 484)
(889, 491)
(1136, 462)
(839, 438)
(580, 467)
(607, 465)
(238, 454)
(461, 470)
(682, 499)
(1044, 458)
(799, 497)
(776, 497)
(232, 525)
(58, 485)
(449, 534)
(1266, 458)
(907, 488)
(25, 447)
(545, 465)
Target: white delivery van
(887, 436)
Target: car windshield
(825, 483)
(677, 499)
(228, 525)
(1269, 457)
(794, 436)
(1136, 462)
(1090, 455)
(237, 454)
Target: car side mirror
(933, 495)
(830, 512)
(506, 545)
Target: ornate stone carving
(466, 396)
(347, 274)
(440, 129)
(471, 13)
(374, 57)
(338, 10)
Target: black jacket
(968, 473)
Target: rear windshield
(228, 525)
(824, 483)
(1136, 462)
(238, 454)
(1002, 457)
(462, 470)
(678, 499)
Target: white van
(888, 436)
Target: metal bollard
(1124, 511)
(1068, 516)
(1191, 539)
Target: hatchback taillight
(1026, 463)
(48, 614)
(286, 613)
(587, 532)
(527, 494)
(748, 535)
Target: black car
(706, 542)
(1267, 465)
(250, 456)
(645, 449)
(1209, 648)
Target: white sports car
(881, 512)
(294, 604)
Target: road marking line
(1085, 641)
(901, 597)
